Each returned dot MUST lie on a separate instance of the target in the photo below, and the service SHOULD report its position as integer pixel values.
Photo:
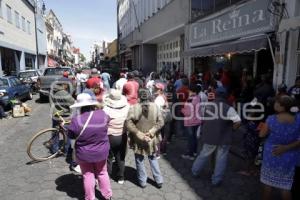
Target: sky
(87, 21)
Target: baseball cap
(160, 86)
(66, 74)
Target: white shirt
(233, 115)
(203, 100)
(81, 77)
(160, 101)
(203, 97)
(120, 84)
(150, 85)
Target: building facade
(98, 52)
(148, 31)
(288, 36)
(261, 37)
(17, 36)
(54, 39)
(76, 55)
(232, 36)
(112, 50)
(41, 31)
(67, 55)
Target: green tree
(82, 58)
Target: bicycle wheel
(40, 147)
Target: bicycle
(39, 147)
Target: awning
(289, 24)
(52, 62)
(249, 44)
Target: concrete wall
(13, 37)
(167, 24)
(168, 19)
(41, 34)
(290, 67)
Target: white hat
(84, 99)
(115, 99)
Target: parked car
(49, 77)
(13, 88)
(30, 77)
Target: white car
(31, 75)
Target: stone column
(22, 61)
(1, 71)
(36, 62)
(17, 61)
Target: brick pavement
(53, 179)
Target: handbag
(83, 129)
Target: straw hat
(115, 99)
(84, 100)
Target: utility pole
(36, 36)
(118, 34)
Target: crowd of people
(138, 112)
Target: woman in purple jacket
(89, 129)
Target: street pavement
(22, 180)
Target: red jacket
(130, 90)
(92, 82)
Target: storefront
(238, 38)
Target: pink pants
(89, 172)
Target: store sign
(247, 19)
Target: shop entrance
(255, 64)
(8, 60)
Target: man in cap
(95, 84)
(94, 79)
(217, 135)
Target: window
(8, 12)
(29, 27)
(23, 24)
(202, 8)
(17, 81)
(220, 4)
(17, 19)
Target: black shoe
(159, 185)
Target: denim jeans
(192, 140)
(141, 171)
(55, 139)
(221, 161)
